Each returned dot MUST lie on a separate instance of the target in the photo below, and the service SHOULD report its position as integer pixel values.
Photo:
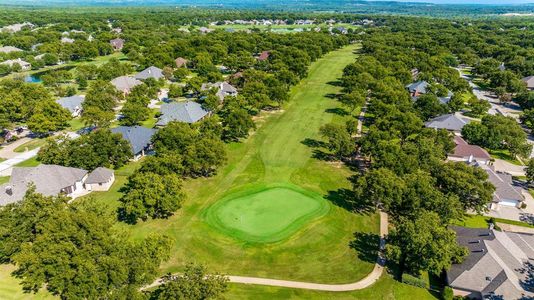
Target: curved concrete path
(367, 281)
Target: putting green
(266, 214)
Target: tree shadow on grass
(346, 198)
(332, 96)
(338, 111)
(313, 143)
(335, 83)
(367, 246)
(323, 155)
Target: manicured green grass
(385, 288)
(10, 288)
(76, 124)
(265, 215)
(33, 144)
(477, 221)
(32, 162)
(504, 155)
(151, 121)
(276, 154)
(4, 179)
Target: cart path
(365, 282)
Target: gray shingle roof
(125, 83)
(504, 188)
(419, 87)
(139, 137)
(188, 112)
(99, 175)
(529, 81)
(495, 264)
(9, 49)
(448, 122)
(150, 72)
(49, 180)
(71, 103)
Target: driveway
(7, 166)
(510, 168)
(7, 151)
(513, 110)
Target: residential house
(506, 193)
(16, 27)
(469, 153)
(450, 122)
(499, 265)
(9, 49)
(205, 30)
(117, 30)
(181, 62)
(101, 179)
(224, 89)
(139, 138)
(66, 40)
(529, 82)
(417, 88)
(188, 112)
(150, 72)
(125, 83)
(73, 104)
(117, 44)
(415, 73)
(264, 55)
(446, 99)
(49, 180)
(25, 66)
(342, 30)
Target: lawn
(33, 144)
(385, 288)
(4, 179)
(477, 221)
(32, 162)
(275, 154)
(321, 248)
(76, 124)
(266, 215)
(504, 155)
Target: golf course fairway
(267, 214)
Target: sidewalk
(7, 166)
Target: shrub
(414, 281)
(448, 294)
(523, 205)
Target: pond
(32, 79)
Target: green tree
(424, 243)
(339, 140)
(353, 100)
(194, 284)
(149, 195)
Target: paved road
(7, 166)
(496, 107)
(367, 281)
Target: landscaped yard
(33, 144)
(504, 155)
(477, 221)
(4, 179)
(32, 162)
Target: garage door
(508, 202)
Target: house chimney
(9, 190)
